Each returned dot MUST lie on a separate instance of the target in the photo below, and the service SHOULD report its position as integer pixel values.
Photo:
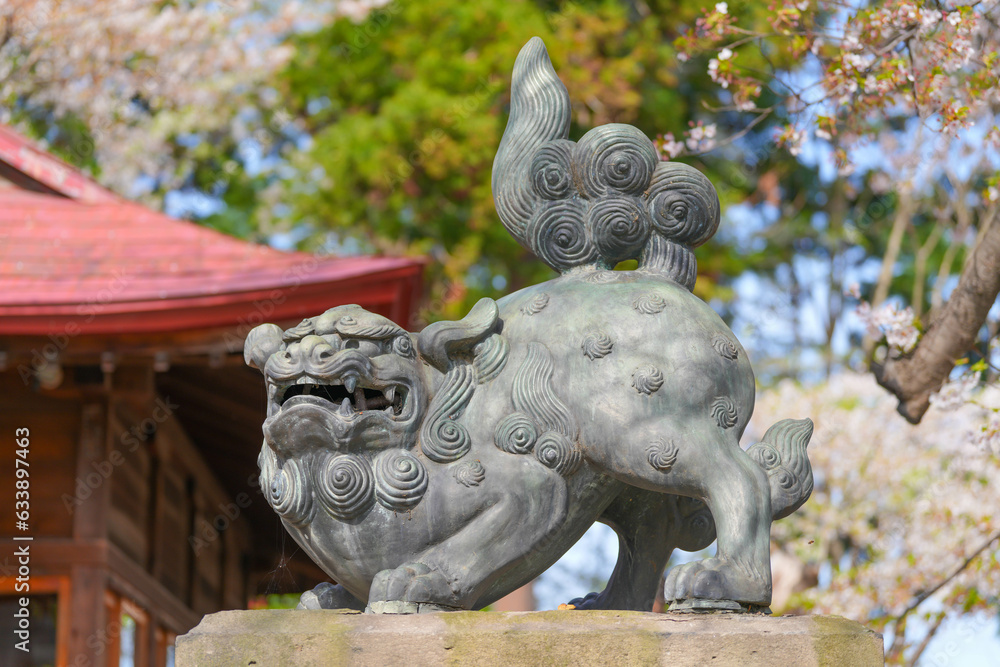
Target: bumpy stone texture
(620, 638)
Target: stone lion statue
(445, 469)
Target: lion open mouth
(352, 398)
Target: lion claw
(413, 582)
(329, 596)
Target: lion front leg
(455, 573)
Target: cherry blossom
(889, 322)
(900, 513)
(141, 74)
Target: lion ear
(442, 342)
(261, 343)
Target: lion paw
(329, 596)
(716, 579)
(413, 582)
(588, 601)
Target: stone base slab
(605, 638)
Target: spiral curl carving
(345, 485)
(620, 228)
(697, 526)
(683, 204)
(290, 495)
(558, 235)
(602, 277)
(724, 412)
(649, 304)
(550, 172)
(449, 441)
(724, 346)
(535, 304)
(442, 438)
(402, 346)
(766, 456)
(515, 434)
(597, 345)
(613, 158)
(400, 480)
(300, 330)
(647, 379)
(470, 474)
(785, 479)
(558, 452)
(662, 454)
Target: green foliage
(285, 601)
(407, 108)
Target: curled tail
(599, 201)
(782, 454)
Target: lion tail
(782, 455)
(599, 201)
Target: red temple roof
(72, 251)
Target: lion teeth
(345, 408)
(388, 411)
(350, 382)
(390, 393)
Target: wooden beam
(132, 581)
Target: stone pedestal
(606, 638)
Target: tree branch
(919, 600)
(915, 658)
(915, 376)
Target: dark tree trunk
(915, 376)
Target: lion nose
(314, 348)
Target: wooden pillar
(89, 635)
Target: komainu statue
(444, 469)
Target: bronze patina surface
(444, 469)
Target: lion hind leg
(714, 469)
(649, 525)
(701, 458)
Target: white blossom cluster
(957, 393)
(140, 73)
(897, 508)
(888, 321)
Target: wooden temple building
(121, 334)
